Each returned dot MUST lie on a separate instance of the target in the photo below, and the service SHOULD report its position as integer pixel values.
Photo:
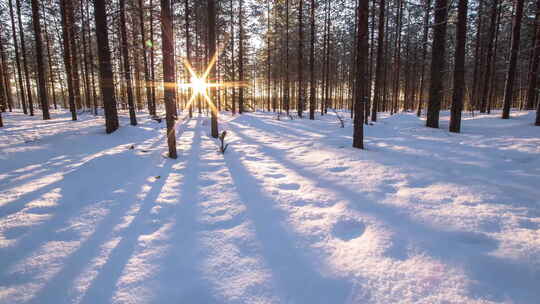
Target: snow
(289, 214)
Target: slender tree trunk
(241, 58)
(437, 64)
(152, 59)
(65, 7)
(532, 90)
(168, 73)
(489, 55)
(362, 73)
(300, 106)
(459, 68)
(424, 54)
(5, 75)
(127, 68)
(379, 74)
(22, 94)
(49, 60)
(74, 57)
(312, 93)
(211, 6)
(25, 64)
(42, 87)
(511, 74)
(188, 50)
(106, 80)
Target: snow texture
(289, 214)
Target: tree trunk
(241, 58)
(25, 64)
(127, 68)
(5, 76)
(168, 73)
(532, 90)
(42, 87)
(312, 92)
(362, 74)
(459, 68)
(489, 55)
(380, 68)
(65, 7)
(511, 73)
(211, 6)
(106, 81)
(300, 106)
(424, 53)
(437, 64)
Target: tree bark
(106, 81)
(25, 63)
(211, 6)
(511, 74)
(65, 7)
(127, 68)
(312, 92)
(168, 73)
(241, 58)
(459, 68)
(437, 64)
(362, 73)
(532, 90)
(42, 87)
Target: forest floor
(289, 214)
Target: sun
(199, 85)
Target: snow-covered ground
(290, 214)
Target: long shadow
(495, 276)
(55, 288)
(180, 277)
(291, 269)
(75, 194)
(479, 174)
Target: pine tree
(459, 68)
(437, 63)
(106, 81)
(40, 64)
(511, 72)
(168, 74)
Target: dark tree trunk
(188, 51)
(489, 55)
(532, 90)
(300, 106)
(362, 74)
(437, 64)
(168, 73)
(459, 68)
(65, 7)
(42, 87)
(17, 58)
(106, 81)
(423, 63)
(211, 6)
(511, 73)
(312, 92)
(286, 99)
(74, 58)
(25, 63)
(379, 74)
(5, 76)
(241, 58)
(127, 68)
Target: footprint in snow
(289, 186)
(348, 229)
(274, 175)
(338, 169)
